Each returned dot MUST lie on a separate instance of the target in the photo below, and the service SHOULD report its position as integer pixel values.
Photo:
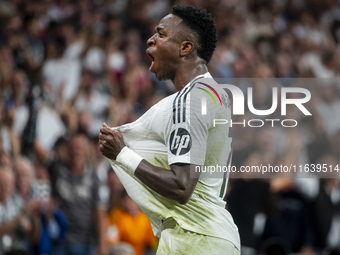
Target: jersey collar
(205, 75)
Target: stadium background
(67, 66)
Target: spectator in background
(116, 189)
(89, 100)
(325, 207)
(101, 165)
(76, 185)
(62, 74)
(17, 221)
(100, 44)
(290, 223)
(60, 149)
(28, 189)
(16, 111)
(9, 140)
(248, 201)
(25, 177)
(122, 249)
(34, 45)
(136, 79)
(133, 225)
(75, 45)
(53, 229)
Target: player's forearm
(175, 184)
(171, 184)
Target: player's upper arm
(188, 129)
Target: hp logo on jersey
(180, 141)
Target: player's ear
(186, 48)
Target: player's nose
(151, 41)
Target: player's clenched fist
(111, 142)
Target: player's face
(164, 48)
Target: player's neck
(188, 72)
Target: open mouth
(153, 59)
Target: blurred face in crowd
(61, 151)
(164, 47)
(132, 57)
(68, 32)
(6, 183)
(5, 160)
(34, 27)
(13, 25)
(24, 176)
(132, 38)
(84, 120)
(77, 149)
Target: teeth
(153, 59)
(151, 66)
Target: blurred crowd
(67, 66)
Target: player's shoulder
(209, 91)
(165, 101)
(201, 87)
(193, 88)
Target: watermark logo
(180, 141)
(239, 103)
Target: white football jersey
(175, 131)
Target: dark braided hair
(202, 24)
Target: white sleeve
(187, 131)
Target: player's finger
(103, 143)
(106, 130)
(101, 136)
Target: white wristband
(129, 159)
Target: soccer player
(155, 156)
